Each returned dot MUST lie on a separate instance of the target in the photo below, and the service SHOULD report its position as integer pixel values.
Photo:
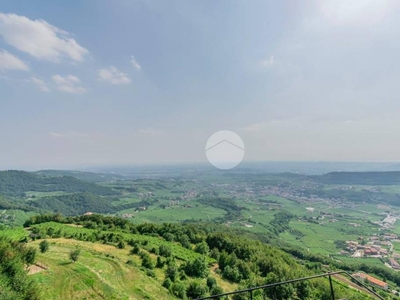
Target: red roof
(372, 280)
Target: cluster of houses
(374, 248)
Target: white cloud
(11, 62)
(112, 75)
(135, 63)
(40, 83)
(39, 38)
(69, 84)
(69, 134)
(150, 132)
(268, 62)
(355, 12)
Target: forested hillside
(188, 260)
(17, 183)
(86, 176)
(74, 204)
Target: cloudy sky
(140, 81)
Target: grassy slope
(94, 275)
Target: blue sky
(111, 82)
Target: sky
(98, 82)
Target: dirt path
(33, 269)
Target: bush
(167, 283)
(147, 262)
(44, 246)
(121, 245)
(74, 255)
(172, 272)
(196, 289)
(135, 249)
(179, 290)
(150, 273)
(30, 255)
(165, 251)
(197, 268)
(130, 262)
(160, 263)
(216, 290)
(211, 282)
(169, 237)
(202, 248)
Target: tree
(179, 289)
(214, 254)
(165, 250)
(172, 272)
(135, 249)
(185, 242)
(160, 263)
(169, 237)
(44, 246)
(30, 256)
(197, 268)
(202, 248)
(74, 255)
(121, 245)
(211, 282)
(167, 283)
(147, 262)
(216, 290)
(196, 289)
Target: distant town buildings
(371, 280)
(394, 264)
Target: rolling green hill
(74, 204)
(17, 183)
(86, 176)
(120, 260)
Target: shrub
(121, 245)
(147, 262)
(167, 283)
(179, 290)
(196, 289)
(211, 282)
(202, 248)
(44, 246)
(74, 255)
(165, 251)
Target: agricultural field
(315, 224)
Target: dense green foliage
(14, 281)
(15, 204)
(242, 260)
(75, 204)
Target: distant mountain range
(360, 178)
